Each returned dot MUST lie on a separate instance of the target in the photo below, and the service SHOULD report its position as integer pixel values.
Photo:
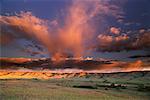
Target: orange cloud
(111, 43)
(115, 30)
(69, 38)
(123, 42)
(120, 66)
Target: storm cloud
(110, 43)
(70, 38)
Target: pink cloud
(115, 30)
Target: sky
(111, 29)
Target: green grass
(62, 89)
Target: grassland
(75, 89)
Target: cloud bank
(74, 36)
(70, 38)
(110, 43)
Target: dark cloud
(85, 65)
(59, 40)
(76, 32)
(137, 41)
(140, 56)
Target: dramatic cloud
(122, 66)
(70, 65)
(25, 25)
(73, 37)
(111, 43)
(69, 38)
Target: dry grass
(62, 89)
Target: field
(77, 88)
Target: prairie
(76, 88)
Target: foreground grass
(64, 89)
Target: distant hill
(48, 75)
